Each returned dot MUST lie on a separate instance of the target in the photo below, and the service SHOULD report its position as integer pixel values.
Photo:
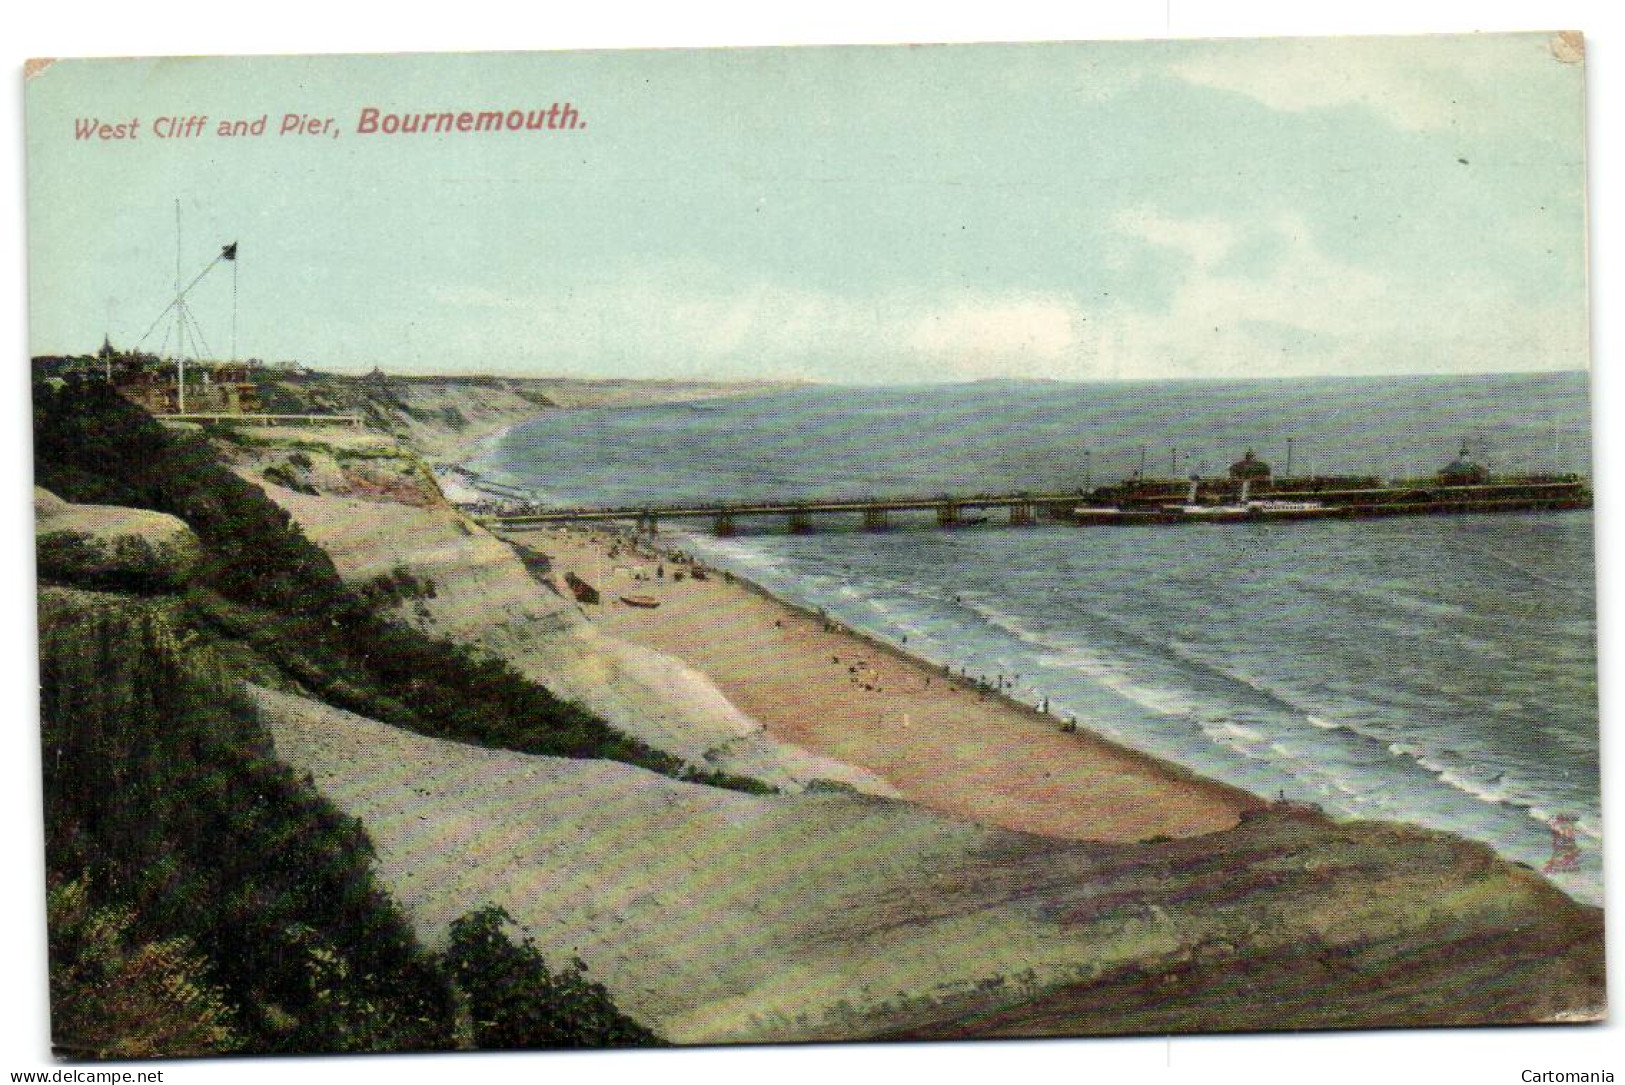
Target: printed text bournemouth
(374, 121)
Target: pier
(1138, 502)
(799, 516)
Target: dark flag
(230, 251)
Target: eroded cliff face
(835, 914)
(827, 913)
(1290, 922)
(442, 418)
(377, 510)
(108, 546)
(716, 916)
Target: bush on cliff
(268, 585)
(517, 1001)
(128, 563)
(116, 996)
(164, 798)
(205, 900)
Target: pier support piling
(947, 515)
(800, 523)
(1021, 515)
(874, 519)
(724, 525)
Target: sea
(1439, 670)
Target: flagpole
(180, 341)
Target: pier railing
(951, 510)
(1027, 507)
(248, 418)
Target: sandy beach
(1032, 872)
(938, 740)
(730, 678)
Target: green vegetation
(130, 564)
(262, 584)
(283, 475)
(517, 1001)
(275, 395)
(115, 997)
(205, 900)
(93, 446)
(166, 804)
(399, 585)
(309, 393)
(730, 781)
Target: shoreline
(839, 912)
(1021, 716)
(1173, 771)
(942, 740)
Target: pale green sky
(1159, 209)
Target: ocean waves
(1439, 671)
(1344, 714)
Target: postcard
(814, 544)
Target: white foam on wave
(1230, 670)
(1502, 789)
(1319, 755)
(1120, 678)
(1227, 731)
(1385, 597)
(1012, 625)
(1478, 789)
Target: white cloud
(1246, 299)
(1206, 240)
(1308, 313)
(979, 338)
(1417, 84)
(686, 321)
(1299, 76)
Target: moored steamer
(1252, 494)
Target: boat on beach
(583, 591)
(646, 602)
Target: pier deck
(951, 511)
(1127, 505)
